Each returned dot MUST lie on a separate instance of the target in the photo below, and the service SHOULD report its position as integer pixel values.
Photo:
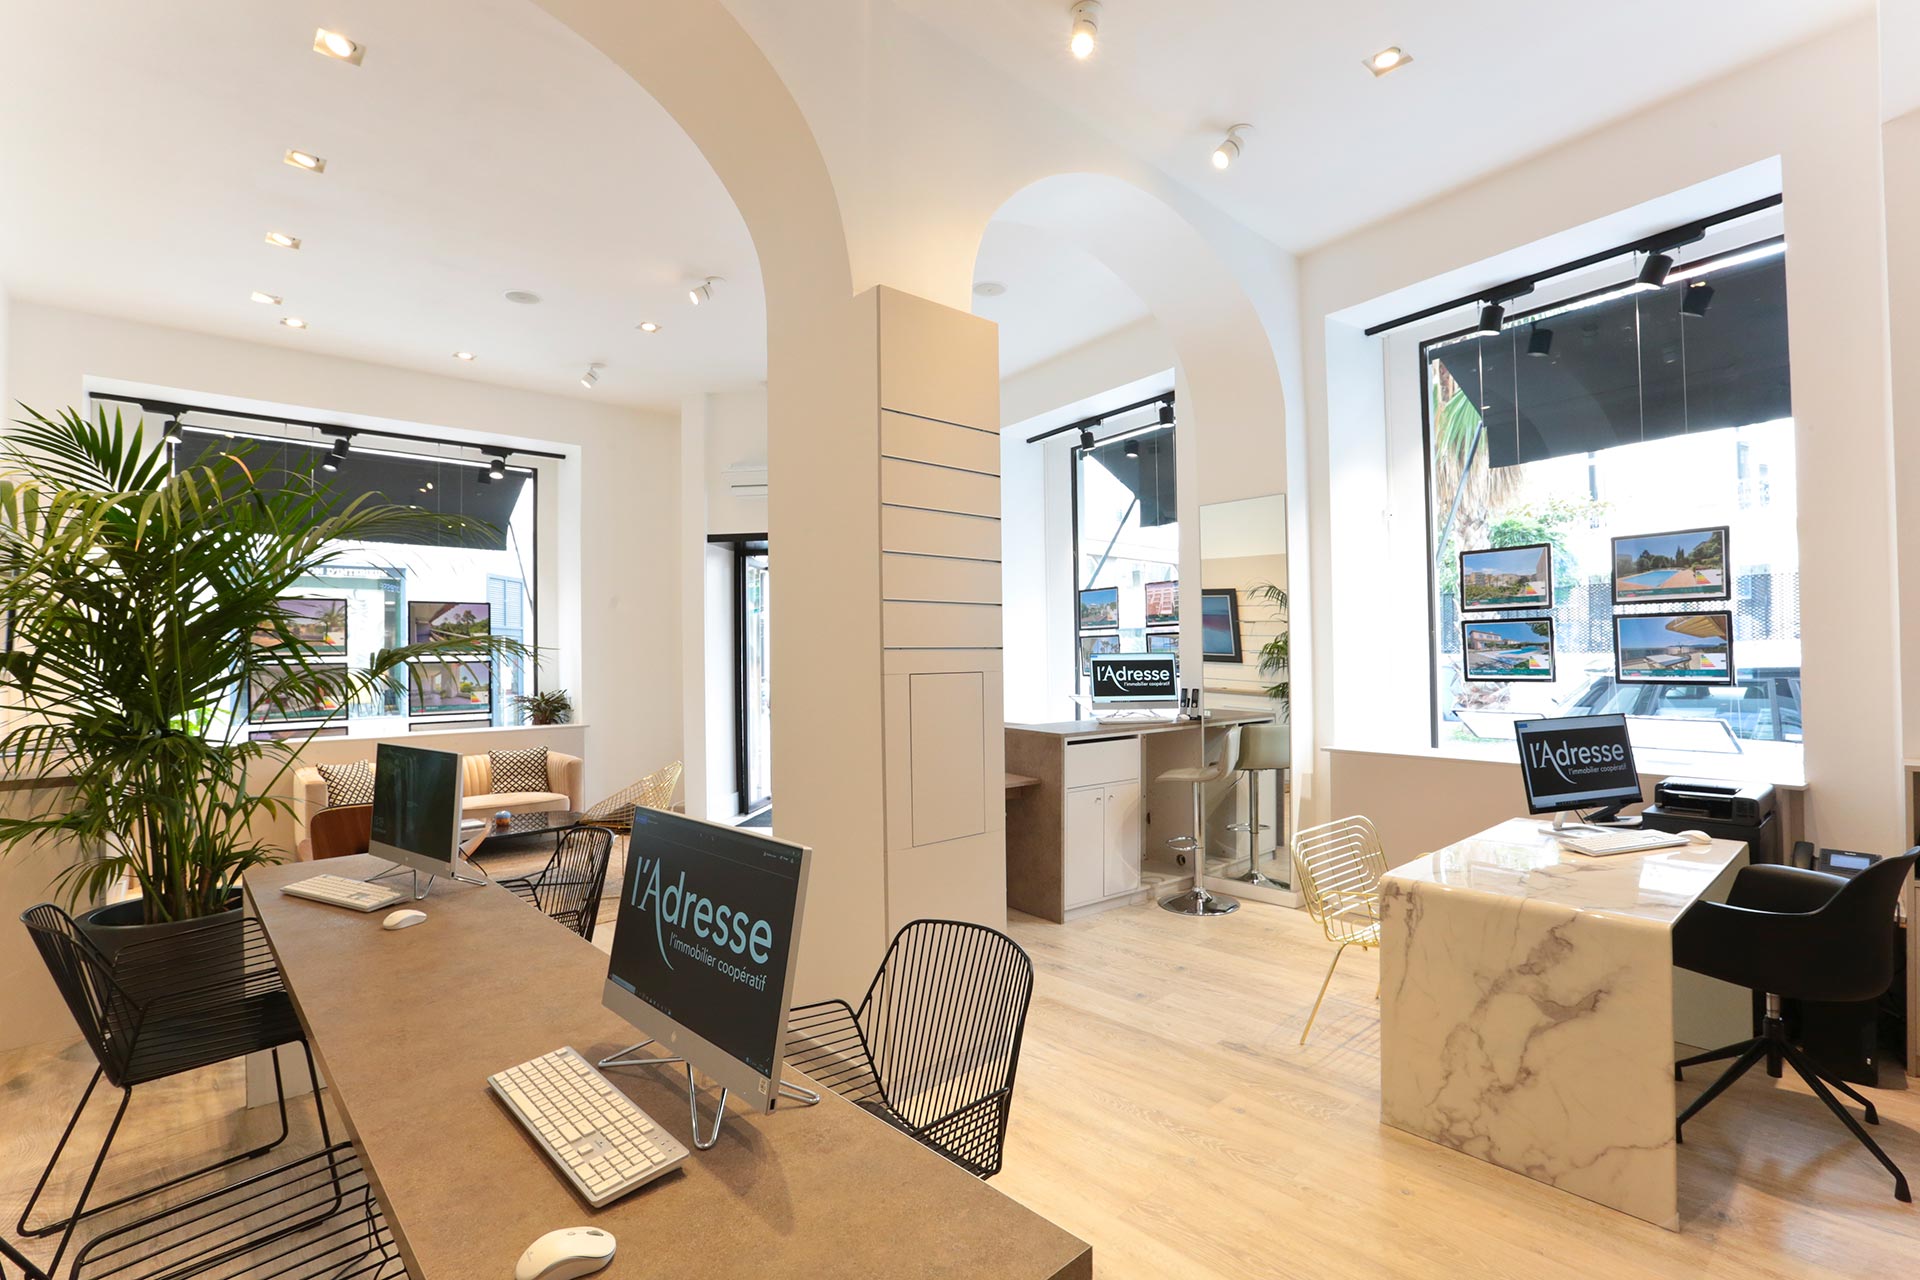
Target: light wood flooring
(1166, 1113)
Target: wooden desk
(408, 1025)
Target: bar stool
(1197, 901)
(1262, 746)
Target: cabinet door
(1086, 842)
(1121, 870)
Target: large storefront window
(1645, 440)
(1126, 537)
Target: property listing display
(1508, 649)
(1507, 578)
(1662, 568)
(316, 626)
(1104, 624)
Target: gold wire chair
(1340, 865)
(655, 791)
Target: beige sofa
(481, 801)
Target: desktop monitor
(702, 961)
(1577, 762)
(416, 808)
(1136, 680)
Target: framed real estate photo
(1503, 650)
(1660, 568)
(1507, 578)
(1673, 648)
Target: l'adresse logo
(1583, 760)
(681, 910)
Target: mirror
(1246, 689)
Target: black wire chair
(200, 996)
(568, 888)
(935, 1043)
(315, 1218)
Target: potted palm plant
(146, 617)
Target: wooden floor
(1166, 1113)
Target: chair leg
(1324, 984)
(1820, 1090)
(319, 1103)
(80, 1211)
(21, 1227)
(1750, 1055)
(1717, 1055)
(1807, 1067)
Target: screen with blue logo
(1136, 677)
(1576, 761)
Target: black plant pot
(122, 924)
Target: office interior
(1381, 385)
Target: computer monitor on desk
(417, 796)
(709, 923)
(1577, 762)
(1135, 681)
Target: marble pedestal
(1527, 1009)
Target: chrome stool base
(1198, 902)
(1260, 880)
(1255, 828)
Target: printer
(1723, 809)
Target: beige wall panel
(939, 533)
(915, 484)
(916, 625)
(932, 359)
(941, 443)
(907, 662)
(904, 577)
(948, 766)
(962, 879)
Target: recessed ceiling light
(1086, 28)
(283, 240)
(521, 296)
(264, 298)
(305, 160)
(293, 322)
(335, 45)
(989, 289)
(702, 290)
(1391, 58)
(463, 355)
(648, 326)
(1229, 149)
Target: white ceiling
(1058, 295)
(1333, 148)
(481, 147)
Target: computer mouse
(1697, 837)
(565, 1254)
(405, 918)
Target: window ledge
(1780, 765)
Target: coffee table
(526, 829)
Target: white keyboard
(605, 1144)
(1605, 844)
(338, 891)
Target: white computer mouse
(565, 1254)
(405, 918)
(1697, 837)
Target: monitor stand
(1595, 822)
(420, 891)
(625, 1058)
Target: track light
(1539, 341)
(1696, 298)
(336, 455)
(1653, 272)
(497, 469)
(1086, 438)
(1229, 149)
(1492, 314)
(1133, 448)
(701, 292)
(1086, 28)
(592, 375)
(1166, 413)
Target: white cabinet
(1102, 842)
(1121, 865)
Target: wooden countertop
(1121, 728)
(408, 1025)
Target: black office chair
(197, 997)
(1792, 934)
(935, 1043)
(568, 888)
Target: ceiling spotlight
(1229, 149)
(172, 432)
(335, 45)
(1086, 28)
(1696, 298)
(463, 355)
(1166, 413)
(1086, 438)
(701, 292)
(1653, 272)
(305, 160)
(1391, 58)
(265, 298)
(281, 240)
(648, 326)
(1491, 316)
(1539, 341)
(293, 322)
(337, 454)
(1133, 448)
(592, 375)
(497, 469)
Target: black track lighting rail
(1671, 238)
(1099, 419)
(174, 408)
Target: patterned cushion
(348, 783)
(519, 770)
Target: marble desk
(1527, 1009)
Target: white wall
(736, 438)
(1815, 108)
(616, 503)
